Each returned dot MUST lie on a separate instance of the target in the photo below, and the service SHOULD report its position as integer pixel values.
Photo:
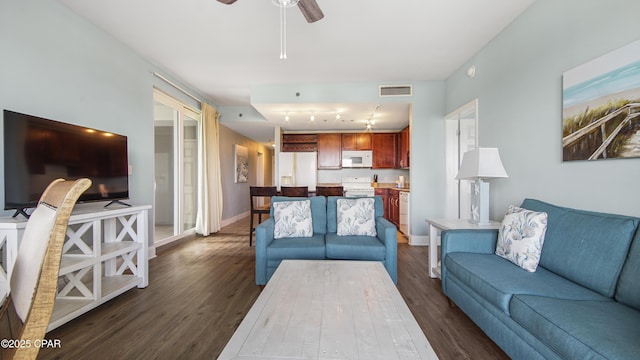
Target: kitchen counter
(391, 186)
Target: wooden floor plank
(200, 290)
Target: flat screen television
(38, 151)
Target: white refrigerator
(298, 169)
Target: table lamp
(480, 164)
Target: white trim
(175, 86)
(418, 240)
(233, 219)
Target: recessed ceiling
(330, 117)
(223, 50)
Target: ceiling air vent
(395, 90)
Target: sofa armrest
(482, 241)
(388, 234)
(264, 236)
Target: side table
(436, 226)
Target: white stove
(357, 186)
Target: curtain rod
(175, 86)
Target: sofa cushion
(308, 248)
(354, 247)
(318, 210)
(588, 248)
(580, 329)
(332, 211)
(521, 236)
(497, 280)
(293, 219)
(356, 217)
(628, 290)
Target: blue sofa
(583, 301)
(325, 243)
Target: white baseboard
(419, 240)
(151, 252)
(233, 219)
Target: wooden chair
(29, 297)
(295, 191)
(329, 191)
(256, 192)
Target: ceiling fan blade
(310, 10)
(228, 2)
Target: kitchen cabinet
(329, 151)
(404, 147)
(299, 142)
(384, 150)
(384, 194)
(356, 141)
(394, 206)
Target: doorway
(461, 136)
(176, 159)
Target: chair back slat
(295, 191)
(329, 191)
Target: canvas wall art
(241, 163)
(601, 107)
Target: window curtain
(209, 215)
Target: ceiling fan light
(285, 3)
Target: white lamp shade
(481, 163)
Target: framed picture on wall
(601, 107)
(241, 157)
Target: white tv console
(104, 255)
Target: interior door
(461, 136)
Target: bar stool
(295, 191)
(256, 192)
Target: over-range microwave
(357, 158)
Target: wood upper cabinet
(329, 151)
(384, 146)
(356, 141)
(404, 147)
(299, 142)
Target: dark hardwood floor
(201, 288)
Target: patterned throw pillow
(521, 236)
(356, 217)
(293, 219)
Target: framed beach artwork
(601, 107)
(241, 156)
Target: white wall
(519, 85)
(56, 65)
(236, 195)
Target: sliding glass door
(176, 134)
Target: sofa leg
(451, 303)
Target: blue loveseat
(325, 243)
(583, 301)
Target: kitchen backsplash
(384, 175)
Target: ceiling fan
(309, 8)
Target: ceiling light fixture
(283, 5)
(286, 117)
(370, 122)
(312, 118)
